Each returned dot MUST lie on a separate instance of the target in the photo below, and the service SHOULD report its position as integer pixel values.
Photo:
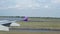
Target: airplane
(5, 24)
(17, 19)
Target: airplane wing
(14, 23)
(4, 27)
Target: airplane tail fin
(25, 18)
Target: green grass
(49, 19)
(29, 32)
(36, 25)
(52, 23)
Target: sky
(31, 8)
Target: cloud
(46, 6)
(6, 4)
(19, 4)
(55, 1)
(28, 4)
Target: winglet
(7, 24)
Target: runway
(33, 30)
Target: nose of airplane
(15, 24)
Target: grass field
(51, 24)
(46, 23)
(29, 32)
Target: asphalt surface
(33, 30)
